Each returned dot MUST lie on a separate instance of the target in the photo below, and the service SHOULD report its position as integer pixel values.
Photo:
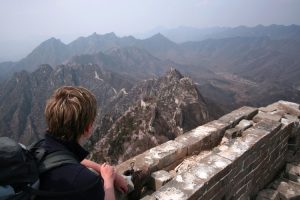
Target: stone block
(289, 107)
(238, 129)
(293, 172)
(244, 124)
(268, 194)
(166, 153)
(236, 116)
(211, 168)
(280, 113)
(196, 140)
(257, 137)
(240, 192)
(288, 190)
(203, 137)
(268, 125)
(159, 178)
(216, 191)
(218, 125)
(193, 182)
(184, 186)
(261, 115)
(141, 162)
(291, 118)
(234, 151)
(253, 137)
(232, 133)
(270, 108)
(216, 136)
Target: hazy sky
(32, 21)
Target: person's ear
(88, 130)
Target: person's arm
(119, 182)
(108, 175)
(90, 164)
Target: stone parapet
(245, 150)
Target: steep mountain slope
(159, 108)
(23, 97)
(95, 43)
(130, 61)
(253, 58)
(151, 113)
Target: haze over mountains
(186, 34)
(187, 83)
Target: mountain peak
(174, 74)
(96, 36)
(110, 35)
(159, 36)
(160, 41)
(52, 40)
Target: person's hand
(108, 174)
(121, 183)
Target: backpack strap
(51, 161)
(56, 159)
(47, 161)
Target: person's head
(70, 113)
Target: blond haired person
(70, 113)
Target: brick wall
(244, 151)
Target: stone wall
(233, 157)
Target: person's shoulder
(85, 175)
(74, 177)
(90, 183)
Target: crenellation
(262, 115)
(233, 157)
(236, 116)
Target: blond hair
(69, 111)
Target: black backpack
(20, 169)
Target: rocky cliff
(132, 116)
(23, 97)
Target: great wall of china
(250, 153)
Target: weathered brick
(293, 172)
(268, 194)
(235, 151)
(218, 188)
(268, 125)
(288, 190)
(166, 153)
(203, 137)
(183, 186)
(242, 190)
(159, 178)
(244, 124)
(140, 162)
(212, 167)
(289, 107)
(236, 116)
(261, 115)
(171, 193)
(269, 108)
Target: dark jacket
(70, 177)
